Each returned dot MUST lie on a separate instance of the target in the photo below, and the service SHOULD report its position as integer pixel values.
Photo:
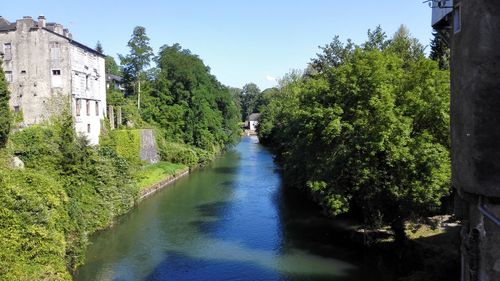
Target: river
(232, 220)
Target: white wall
(88, 87)
(253, 125)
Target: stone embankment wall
(155, 187)
(149, 148)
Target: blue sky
(241, 41)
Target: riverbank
(159, 176)
(66, 191)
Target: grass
(424, 231)
(155, 173)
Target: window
(17, 108)
(87, 81)
(7, 51)
(78, 106)
(23, 71)
(88, 128)
(96, 108)
(8, 76)
(56, 78)
(55, 50)
(457, 21)
(88, 108)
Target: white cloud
(271, 78)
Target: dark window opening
(7, 50)
(23, 71)
(17, 108)
(56, 72)
(8, 76)
(457, 22)
(88, 128)
(88, 108)
(78, 106)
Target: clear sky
(241, 40)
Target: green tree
(134, 64)
(189, 104)
(377, 39)
(251, 99)
(440, 51)
(368, 133)
(111, 66)
(98, 47)
(333, 54)
(405, 46)
(4, 109)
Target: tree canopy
(188, 102)
(368, 133)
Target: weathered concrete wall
(31, 67)
(50, 71)
(475, 98)
(149, 149)
(475, 134)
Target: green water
(232, 220)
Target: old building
(471, 28)
(47, 70)
(252, 121)
(115, 82)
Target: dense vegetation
(365, 129)
(4, 109)
(69, 189)
(188, 104)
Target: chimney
(25, 23)
(66, 33)
(58, 28)
(41, 21)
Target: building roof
(112, 77)
(254, 117)
(5, 25)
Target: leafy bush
(127, 144)
(69, 190)
(32, 225)
(179, 153)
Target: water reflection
(229, 221)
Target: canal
(232, 220)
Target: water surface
(232, 220)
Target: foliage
(138, 59)
(4, 109)
(440, 52)
(188, 104)
(368, 133)
(127, 143)
(179, 153)
(32, 220)
(111, 66)
(155, 173)
(251, 99)
(68, 191)
(98, 47)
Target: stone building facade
(47, 70)
(472, 30)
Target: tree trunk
(138, 94)
(398, 227)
